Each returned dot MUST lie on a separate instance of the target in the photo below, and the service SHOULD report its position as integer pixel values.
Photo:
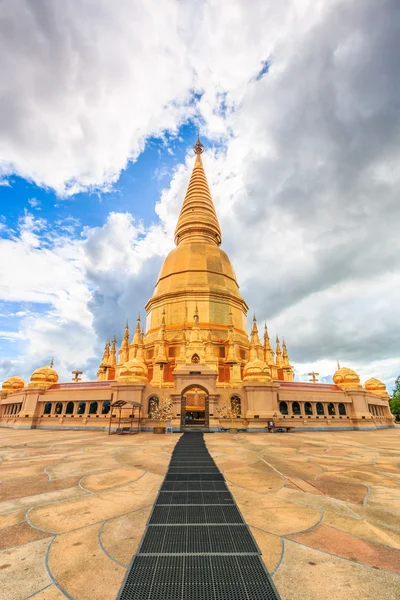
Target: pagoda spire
(231, 358)
(198, 219)
(136, 337)
(106, 353)
(195, 334)
(182, 352)
(134, 345)
(161, 357)
(112, 361)
(286, 362)
(123, 354)
(287, 367)
(279, 361)
(268, 352)
(254, 332)
(103, 368)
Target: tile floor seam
(272, 467)
(364, 502)
(103, 548)
(280, 561)
(39, 591)
(54, 580)
(308, 528)
(114, 487)
(90, 524)
(12, 524)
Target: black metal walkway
(196, 545)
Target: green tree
(395, 398)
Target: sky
(297, 103)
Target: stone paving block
(39, 499)
(317, 501)
(341, 488)
(271, 547)
(93, 508)
(345, 545)
(109, 479)
(307, 574)
(12, 518)
(37, 484)
(364, 529)
(79, 553)
(19, 534)
(260, 479)
(121, 536)
(272, 514)
(23, 571)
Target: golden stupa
(197, 352)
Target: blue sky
(136, 191)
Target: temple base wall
(331, 409)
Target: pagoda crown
(198, 219)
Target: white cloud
(34, 203)
(82, 87)
(306, 187)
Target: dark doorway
(194, 408)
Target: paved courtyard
(324, 509)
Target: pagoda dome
(197, 270)
(45, 376)
(346, 378)
(134, 370)
(12, 384)
(375, 386)
(258, 371)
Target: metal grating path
(196, 545)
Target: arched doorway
(194, 408)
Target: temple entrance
(194, 408)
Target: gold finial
(115, 338)
(198, 147)
(277, 339)
(314, 376)
(51, 363)
(338, 364)
(76, 374)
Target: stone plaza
(323, 507)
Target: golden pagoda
(197, 350)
